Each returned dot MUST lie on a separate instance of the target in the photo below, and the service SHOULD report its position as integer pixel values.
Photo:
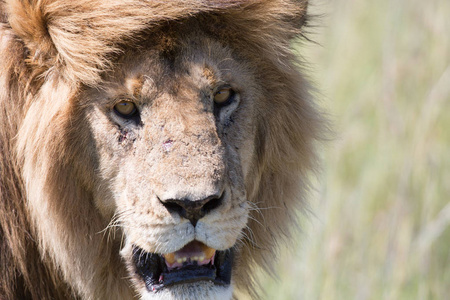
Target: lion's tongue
(194, 252)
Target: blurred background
(380, 221)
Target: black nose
(193, 210)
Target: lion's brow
(134, 85)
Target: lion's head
(152, 149)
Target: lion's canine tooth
(184, 259)
(209, 252)
(170, 258)
(179, 260)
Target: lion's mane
(49, 49)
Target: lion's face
(184, 128)
(174, 135)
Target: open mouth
(194, 262)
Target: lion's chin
(192, 266)
(202, 290)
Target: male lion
(149, 149)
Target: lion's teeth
(193, 252)
(209, 252)
(170, 258)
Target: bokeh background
(380, 221)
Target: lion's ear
(282, 20)
(29, 23)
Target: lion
(150, 149)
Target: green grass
(381, 228)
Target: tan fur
(79, 186)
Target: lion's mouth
(194, 262)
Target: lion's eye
(223, 96)
(125, 108)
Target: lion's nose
(193, 210)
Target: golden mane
(51, 49)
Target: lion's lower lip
(153, 270)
